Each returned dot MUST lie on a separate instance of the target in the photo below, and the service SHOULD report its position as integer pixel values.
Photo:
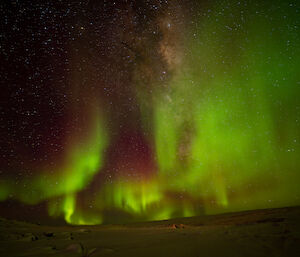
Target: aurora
(185, 115)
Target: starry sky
(121, 111)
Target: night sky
(118, 111)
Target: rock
(48, 234)
(29, 237)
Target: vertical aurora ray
(131, 196)
(72, 215)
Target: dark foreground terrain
(271, 232)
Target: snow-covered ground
(271, 232)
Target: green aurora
(225, 130)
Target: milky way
(120, 111)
